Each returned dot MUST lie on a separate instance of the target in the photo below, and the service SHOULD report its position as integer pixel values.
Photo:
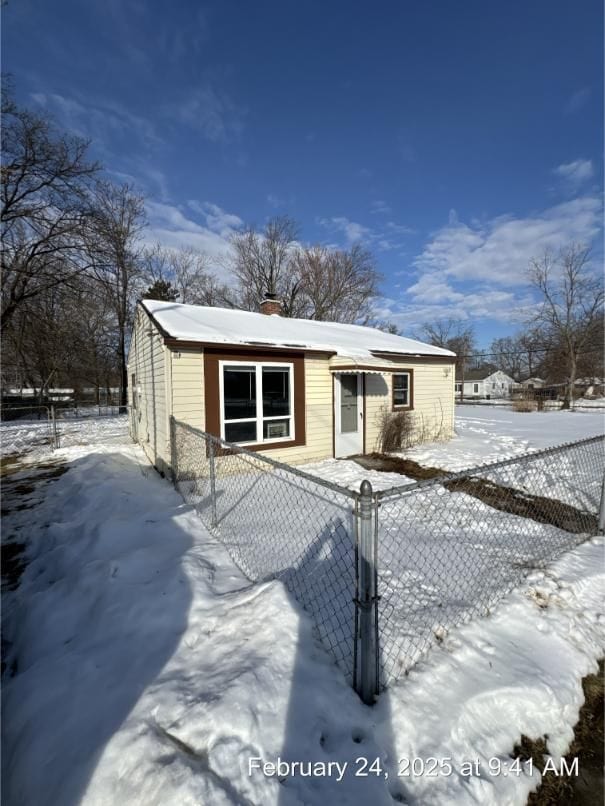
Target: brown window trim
(410, 406)
(212, 397)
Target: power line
(522, 353)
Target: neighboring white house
(486, 385)
(532, 383)
(296, 389)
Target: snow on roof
(229, 326)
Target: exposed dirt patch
(11, 463)
(535, 507)
(17, 492)
(587, 788)
(24, 487)
(21, 491)
(397, 464)
(505, 499)
(13, 564)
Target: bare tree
(114, 248)
(531, 347)
(189, 272)
(571, 310)
(455, 335)
(45, 178)
(336, 285)
(451, 334)
(264, 263)
(507, 355)
(62, 337)
(312, 282)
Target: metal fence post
(213, 519)
(601, 529)
(367, 597)
(174, 456)
(54, 427)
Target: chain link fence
(39, 428)
(277, 523)
(25, 428)
(451, 547)
(385, 575)
(87, 425)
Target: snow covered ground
(34, 436)
(482, 436)
(488, 435)
(148, 670)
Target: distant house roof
(476, 374)
(229, 326)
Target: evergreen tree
(161, 289)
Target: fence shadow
(100, 581)
(326, 723)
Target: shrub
(524, 405)
(396, 430)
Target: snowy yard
(33, 436)
(483, 435)
(489, 434)
(144, 668)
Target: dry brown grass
(587, 788)
(396, 430)
(524, 405)
(397, 464)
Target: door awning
(342, 365)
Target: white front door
(348, 415)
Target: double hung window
(401, 390)
(256, 402)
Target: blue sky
(456, 140)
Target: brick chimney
(271, 305)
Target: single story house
(296, 389)
(485, 384)
(532, 383)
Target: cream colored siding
(170, 382)
(318, 416)
(187, 368)
(188, 405)
(149, 422)
(433, 401)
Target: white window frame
(399, 406)
(475, 388)
(259, 419)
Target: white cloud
(384, 238)
(102, 121)
(576, 172)
(380, 207)
(170, 226)
(471, 306)
(275, 201)
(499, 251)
(216, 218)
(352, 231)
(431, 288)
(478, 271)
(212, 113)
(399, 229)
